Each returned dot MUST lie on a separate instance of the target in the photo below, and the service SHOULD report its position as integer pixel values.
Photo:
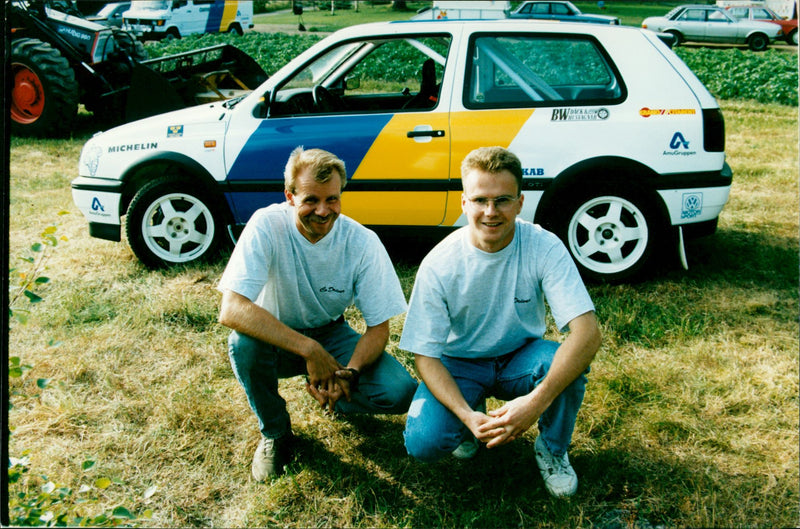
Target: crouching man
(295, 269)
(475, 324)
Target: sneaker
(271, 456)
(559, 477)
(467, 449)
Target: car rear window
(511, 71)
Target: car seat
(428, 89)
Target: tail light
(713, 130)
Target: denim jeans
(433, 431)
(384, 387)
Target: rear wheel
(44, 96)
(610, 235)
(791, 38)
(171, 222)
(758, 42)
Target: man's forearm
(242, 315)
(572, 358)
(441, 383)
(370, 346)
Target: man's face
(491, 202)
(316, 205)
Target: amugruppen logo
(647, 112)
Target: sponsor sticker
(691, 205)
(647, 112)
(133, 147)
(579, 114)
(679, 146)
(174, 131)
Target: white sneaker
(559, 477)
(467, 449)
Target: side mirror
(352, 83)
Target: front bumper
(99, 200)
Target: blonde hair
(493, 160)
(321, 163)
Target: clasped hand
(327, 381)
(504, 424)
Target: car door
(377, 104)
(692, 23)
(720, 28)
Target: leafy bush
(769, 77)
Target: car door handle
(422, 133)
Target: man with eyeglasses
(476, 322)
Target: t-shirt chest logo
(331, 289)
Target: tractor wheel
(44, 97)
(172, 222)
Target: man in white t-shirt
(476, 321)
(295, 269)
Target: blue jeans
(433, 431)
(384, 387)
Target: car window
(694, 15)
(738, 12)
(526, 8)
(538, 70)
(377, 75)
(761, 14)
(717, 16)
(560, 9)
(541, 9)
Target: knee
(396, 396)
(422, 447)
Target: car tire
(758, 42)
(611, 235)
(172, 222)
(236, 29)
(791, 38)
(677, 36)
(44, 92)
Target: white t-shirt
(308, 285)
(468, 303)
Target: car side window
(392, 74)
(515, 71)
(717, 16)
(761, 14)
(738, 12)
(694, 15)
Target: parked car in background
(706, 23)
(622, 147)
(559, 10)
(111, 14)
(765, 14)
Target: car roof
(482, 25)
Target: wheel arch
(608, 171)
(178, 166)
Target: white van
(154, 20)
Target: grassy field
(629, 12)
(690, 418)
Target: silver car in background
(706, 23)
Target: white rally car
(622, 146)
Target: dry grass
(691, 416)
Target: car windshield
(156, 5)
(107, 10)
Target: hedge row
(767, 77)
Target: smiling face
(317, 205)
(491, 203)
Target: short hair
(320, 163)
(493, 160)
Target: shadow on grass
(501, 487)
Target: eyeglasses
(501, 203)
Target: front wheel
(171, 223)
(610, 237)
(758, 42)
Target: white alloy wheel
(178, 228)
(608, 235)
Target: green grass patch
(690, 417)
